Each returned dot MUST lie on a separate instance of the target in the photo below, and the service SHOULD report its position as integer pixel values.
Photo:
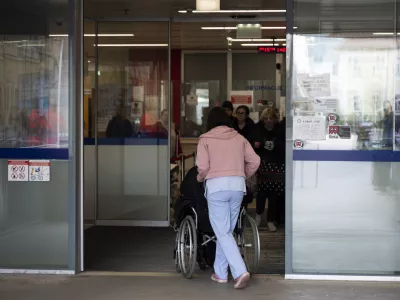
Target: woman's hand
(257, 145)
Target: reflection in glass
(351, 78)
(34, 92)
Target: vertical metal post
(289, 143)
(229, 74)
(75, 158)
(169, 121)
(394, 81)
(96, 105)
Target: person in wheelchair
(192, 196)
(224, 160)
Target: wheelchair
(192, 245)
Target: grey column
(76, 135)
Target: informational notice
(340, 132)
(18, 170)
(39, 170)
(326, 105)
(310, 128)
(314, 85)
(242, 98)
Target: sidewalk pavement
(172, 287)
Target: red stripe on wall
(176, 86)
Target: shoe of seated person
(242, 281)
(215, 278)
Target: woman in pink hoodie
(224, 160)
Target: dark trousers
(247, 199)
(274, 207)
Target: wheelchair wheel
(249, 243)
(176, 254)
(187, 247)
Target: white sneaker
(271, 226)
(258, 220)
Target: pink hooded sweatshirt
(224, 152)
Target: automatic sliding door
(132, 118)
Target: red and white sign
(18, 170)
(242, 98)
(39, 170)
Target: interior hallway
(85, 287)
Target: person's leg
(219, 214)
(220, 262)
(272, 210)
(261, 199)
(239, 267)
(219, 206)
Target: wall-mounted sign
(309, 128)
(272, 49)
(39, 170)
(298, 144)
(326, 105)
(314, 85)
(339, 132)
(332, 119)
(242, 98)
(18, 170)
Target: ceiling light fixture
(131, 45)
(384, 33)
(258, 45)
(255, 40)
(240, 11)
(100, 34)
(182, 11)
(32, 45)
(234, 28)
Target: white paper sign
(309, 128)
(39, 170)
(315, 85)
(18, 170)
(326, 105)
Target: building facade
(340, 101)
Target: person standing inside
(269, 141)
(224, 173)
(228, 108)
(244, 125)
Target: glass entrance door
(131, 123)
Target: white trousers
(224, 209)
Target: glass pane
(345, 195)
(132, 121)
(89, 122)
(34, 100)
(261, 80)
(205, 86)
